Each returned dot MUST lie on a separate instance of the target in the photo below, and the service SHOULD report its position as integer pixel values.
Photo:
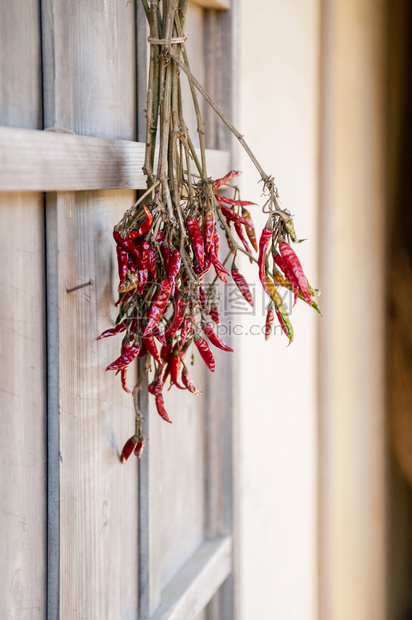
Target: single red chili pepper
(128, 245)
(242, 237)
(139, 448)
(250, 230)
(264, 242)
(125, 297)
(214, 315)
(241, 284)
(158, 306)
(166, 350)
(195, 235)
(143, 228)
(292, 261)
(123, 376)
(225, 180)
(158, 334)
(270, 317)
(156, 386)
(128, 448)
(160, 406)
(174, 267)
(130, 266)
(214, 250)
(122, 264)
(284, 266)
(166, 256)
(202, 297)
(149, 343)
(175, 364)
(206, 266)
(214, 339)
(118, 329)
(232, 216)
(129, 353)
(152, 262)
(188, 382)
(142, 351)
(206, 353)
(187, 330)
(232, 202)
(208, 229)
(179, 313)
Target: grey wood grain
(196, 582)
(98, 496)
(22, 408)
(20, 64)
(49, 161)
(89, 67)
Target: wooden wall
(83, 536)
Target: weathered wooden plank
(171, 491)
(194, 585)
(22, 408)
(48, 161)
(20, 64)
(98, 496)
(89, 67)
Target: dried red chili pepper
(174, 267)
(149, 343)
(241, 284)
(264, 242)
(166, 350)
(152, 262)
(233, 216)
(206, 266)
(220, 269)
(158, 306)
(123, 376)
(156, 386)
(206, 353)
(118, 329)
(160, 406)
(128, 245)
(232, 202)
(187, 330)
(158, 334)
(284, 266)
(280, 310)
(166, 256)
(139, 448)
(202, 296)
(292, 261)
(250, 230)
(179, 313)
(175, 364)
(144, 227)
(188, 382)
(129, 353)
(214, 315)
(270, 317)
(125, 297)
(128, 448)
(225, 180)
(214, 339)
(197, 240)
(242, 237)
(208, 229)
(122, 264)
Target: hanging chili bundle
(169, 239)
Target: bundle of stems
(169, 239)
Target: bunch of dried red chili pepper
(166, 246)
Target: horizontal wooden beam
(195, 584)
(32, 160)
